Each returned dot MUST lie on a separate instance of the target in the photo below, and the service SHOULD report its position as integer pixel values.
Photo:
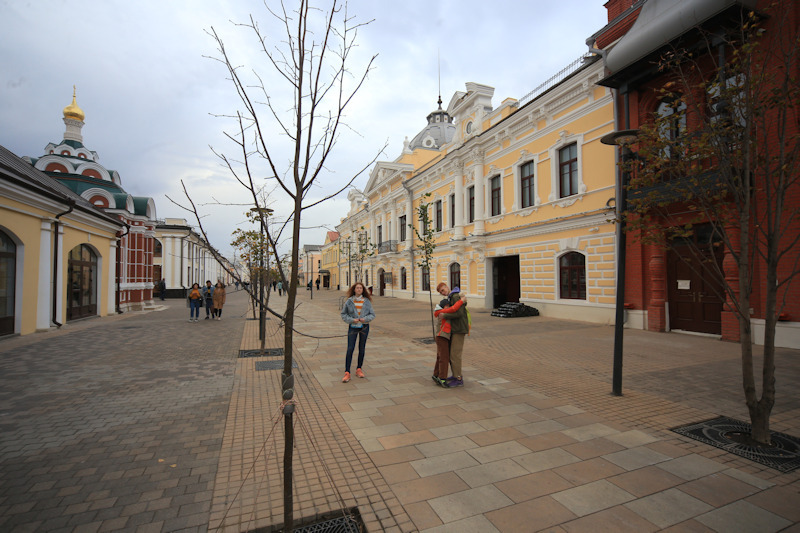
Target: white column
(44, 286)
(480, 202)
(59, 265)
(459, 204)
(111, 273)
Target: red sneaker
(346, 377)
(360, 373)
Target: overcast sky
(150, 92)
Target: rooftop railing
(554, 80)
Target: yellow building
(520, 199)
(329, 267)
(58, 252)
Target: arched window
(82, 276)
(572, 274)
(157, 251)
(8, 283)
(426, 279)
(455, 275)
(403, 278)
(671, 119)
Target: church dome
(439, 131)
(72, 110)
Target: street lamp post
(623, 139)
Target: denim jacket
(349, 313)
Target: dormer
(469, 108)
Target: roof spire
(439, 63)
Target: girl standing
(358, 313)
(195, 300)
(219, 300)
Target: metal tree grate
(268, 352)
(426, 340)
(342, 524)
(783, 455)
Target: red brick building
(78, 168)
(661, 293)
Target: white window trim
(562, 142)
(488, 195)
(524, 160)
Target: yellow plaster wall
(26, 228)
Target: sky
(156, 100)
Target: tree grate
(426, 340)
(783, 455)
(268, 352)
(272, 365)
(342, 524)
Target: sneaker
(191, 320)
(206, 318)
(442, 383)
(451, 378)
(346, 377)
(455, 383)
(435, 379)
(360, 373)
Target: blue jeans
(194, 308)
(352, 334)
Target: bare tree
(427, 245)
(716, 178)
(289, 124)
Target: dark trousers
(352, 335)
(442, 357)
(209, 307)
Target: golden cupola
(72, 110)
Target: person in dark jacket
(208, 297)
(458, 318)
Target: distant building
(311, 263)
(79, 169)
(330, 269)
(183, 257)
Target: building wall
(499, 143)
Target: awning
(324, 271)
(662, 21)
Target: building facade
(520, 201)
(58, 252)
(330, 268)
(662, 289)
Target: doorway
(381, 282)
(505, 277)
(694, 290)
(8, 283)
(82, 276)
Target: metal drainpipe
(56, 225)
(411, 246)
(119, 265)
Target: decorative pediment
(383, 172)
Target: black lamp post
(623, 139)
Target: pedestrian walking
(317, 283)
(457, 317)
(162, 289)
(280, 288)
(237, 284)
(219, 300)
(208, 297)
(357, 312)
(274, 285)
(195, 300)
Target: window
(572, 270)
(568, 170)
(455, 275)
(366, 277)
(452, 209)
(526, 184)
(402, 224)
(380, 234)
(438, 219)
(471, 196)
(495, 195)
(157, 250)
(403, 278)
(671, 118)
(426, 279)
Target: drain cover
(426, 340)
(783, 455)
(342, 524)
(268, 352)
(272, 365)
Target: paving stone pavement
(144, 422)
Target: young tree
(358, 252)
(427, 246)
(716, 176)
(290, 122)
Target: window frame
(425, 278)
(452, 208)
(471, 203)
(555, 169)
(438, 219)
(527, 183)
(499, 197)
(454, 275)
(403, 285)
(575, 291)
(572, 171)
(401, 222)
